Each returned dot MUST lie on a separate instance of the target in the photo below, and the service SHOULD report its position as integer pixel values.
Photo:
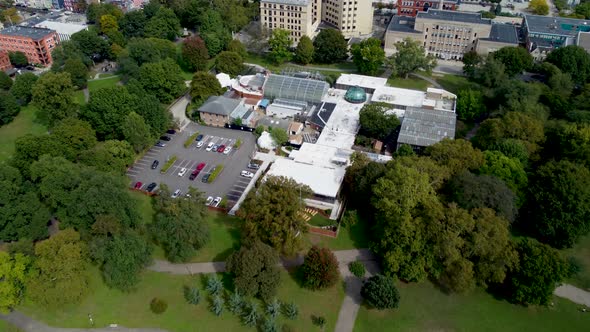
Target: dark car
(194, 175)
(253, 166)
(155, 164)
(171, 131)
(151, 187)
(205, 178)
(199, 138)
(165, 138)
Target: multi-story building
(4, 61)
(544, 34)
(449, 34)
(35, 43)
(303, 17)
(39, 4)
(413, 7)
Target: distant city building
(36, 43)
(544, 34)
(351, 17)
(4, 61)
(413, 7)
(63, 30)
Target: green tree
(572, 141)
(375, 122)
(458, 155)
(5, 81)
(279, 135)
(29, 148)
(91, 44)
(136, 132)
(110, 156)
(74, 137)
(204, 85)
(368, 56)
(280, 44)
(108, 24)
(9, 107)
(235, 45)
(53, 94)
(510, 170)
(490, 73)
(10, 15)
(276, 222)
(162, 79)
(410, 57)
(78, 72)
(164, 25)
(234, 15)
(60, 276)
(572, 60)
(290, 310)
(96, 11)
(380, 292)
(214, 285)
(319, 269)
(21, 89)
(14, 274)
(195, 53)
(106, 111)
(304, 51)
(539, 7)
(515, 59)
(192, 295)
(230, 63)
(583, 9)
(18, 59)
(255, 271)
(150, 50)
(179, 225)
(330, 46)
(68, 50)
(133, 23)
(470, 105)
(470, 61)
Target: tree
(91, 44)
(330, 46)
(60, 276)
(572, 60)
(290, 310)
(230, 63)
(214, 285)
(21, 89)
(368, 56)
(150, 50)
(380, 292)
(510, 170)
(410, 57)
(572, 141)
(375, 122)
(277, 222)
(121, 258)
(108, 24)
(255, 270)
(319, 269)
(18, 59)
(158, 306)
(559, 203)
(136, 132)
(273, 308)
(304, 51)
(235, 303)
(458, 155)
(279, 135)
(163, 25)
(217, 305)
(179, 224)
(53, 94)
(9, 107)
(162, 79)
(195, 53)
(106, 111)
(583, 9)
(14, 274)
(235, 45)
(5, 81)
(96, 11)
(470, 105)
(110, 156)
(280, 44)
(80, 6)
(515, 59)
(192, 295)
(251, 314)
(539, 7)
(10, 16)
(204, 85)
(470, 61)
(540, 268)
(78, 72)
(133, 23)
(74, 137)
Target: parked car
(200, 144)
(138, 185)
(216, 201)
(194, 175)
(210, 146)
(165, 138)
(247, 174)
(176, 193)
(227, 150)
(221, 148)
(199, 138)
(155, 164)
(160, 144)
(205, 178)
(200, 166)
(171, 131)
(209, 200)
(253, 166)
(214, 148)
(182, 171)
(151, 187)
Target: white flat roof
(362, 81)
(62, 28)
(322, 181)
(397, 96)
(320, 155)
(343, 124)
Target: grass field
(24, 123)
(264, 62)
(453, 83)
(412, 83)
(103, 83)
(109, 306)
(581, 253)
(79, 97)
(145, 206)
(352, 237)
(319, 220)
(424, 308)
(7, 327)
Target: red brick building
(4, 61)
(36, 43)
(412, 7)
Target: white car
(176, 193)
(227, 150)
(247, 174)
(209, 200)
(216, 201)
(210, 146)
(200, 144)
(182, 171)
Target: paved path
(573, 294)
(178, 110)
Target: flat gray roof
(287, 2)
(402, 24)
(556, 25)
(583, 40)
(424, 127)
(454, 16)
(34, 33)
(503, 33)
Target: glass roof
(355, 94)
(287, 87)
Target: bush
(379, 292)
(357, 269)
(158, 306)
(320, 268)
(269, 325)
(214, 285)
(273, 308)
(574, 266)
(238, 143)
(318, 321)
(258, 131)
(215, 173)
(235, 303)
(290, 310)
(190, 140)
(251, 315)
(168, 164)
(192, 295)
(217, 305)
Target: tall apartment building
(413, 7)
(303, 17)
(35, 43)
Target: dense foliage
(380, 292)
(319, 269)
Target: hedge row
(215, 173)
(191, 139)
(238, 144)
(168, 164)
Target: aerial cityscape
(294, 165)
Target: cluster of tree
(376, 122)
(328, 47)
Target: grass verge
(103, 83)
(24, 123)
(351, 237)
(168, 164)
(411, 82)
(190, 140)
(7, 327)
(215, 173)
(238, 143)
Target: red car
(221, 148)
(200, 166)
(138, 185)
(196, 172)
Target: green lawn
(103, 83)
(79, 97)
(23, 123)
(425, 308)
(7, 327)
(320, 221)
(412, 83)
(453, 83)
(352, 237)
(581, 253)
(109, 306)
(264, 62)
(145, 206)
(104, 75)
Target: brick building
(4, 61)
(413, 7)
(35, 43)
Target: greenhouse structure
(294, 88)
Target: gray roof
(402, 24)
(34, 33)
(425, 127)
(219, 105)
(556, 25)
(454, 16)
(288, 2)
(583, 40)
(503, 33)
(274, 122)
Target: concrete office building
(36, 43)
(352, 17)
(544, 34)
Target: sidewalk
(573, 294)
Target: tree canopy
(14, 271)
(162, 79)
(279, 43)
(572, 60)
(375, 122)
(53, 94)
(410, 57)
(515, 59)
(195, 53)
(204, 85)
(320, 268)
(21, 89)
(368, 56)
(330, 46)
(304, 51)
(230, 63)
(380, 292)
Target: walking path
(178, 110)
(573, 294)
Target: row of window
(289, 14)
(274, 6)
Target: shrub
(269, 325)
(251, 314)
(318, 321)
(192, 295)
(168, 164)
(574, 266)
(217, 305)
(273, 308)
(158, 306)
(357, 268)
(235, 303)
(190, 139)
(290, 310)
(379, 292)
(214, 285)
(238, 143)
(258, 131)
(320, 268)
(215, 173)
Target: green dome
(355, 95)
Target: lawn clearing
(425, 308)
(103, 83)
(320, 221)
(145, 206)
(454, 83)
(79, 97)
(411, 82)
(24, 123)
(353, 237)
(581, 253)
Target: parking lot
(228, 183)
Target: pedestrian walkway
(573, 294)
(178, 110)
